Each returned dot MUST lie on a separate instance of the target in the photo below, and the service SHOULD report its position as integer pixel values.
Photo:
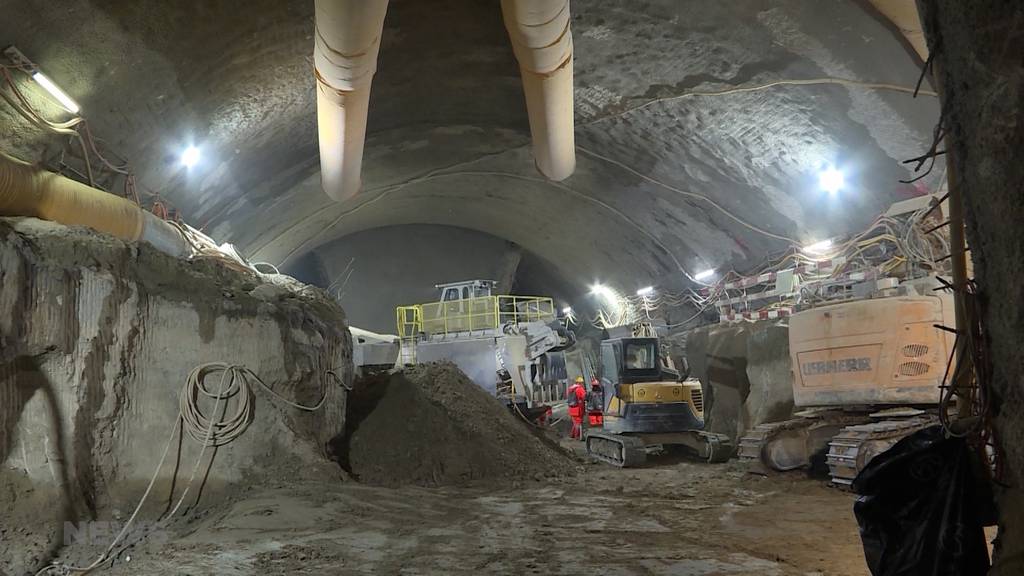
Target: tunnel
(228, 232)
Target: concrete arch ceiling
(448, 139)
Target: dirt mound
(431, 425)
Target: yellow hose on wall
(28, 191)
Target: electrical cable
(59, 127)
(77, 128)
(273, 268)
(435, 175)
(121, 169)
(228, 428)
(886, 245)
(795, 82)
(235, 381)
(202, 246)
(63, 128)
(386, 190)
(696, 195)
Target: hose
(235, 381)
(228, 428)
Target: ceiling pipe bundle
(542, 42)
(345, 60)
(26, 190)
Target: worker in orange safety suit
(595, 404)
(576, 398)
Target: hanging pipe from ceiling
(26, 190)
(903, 14)
(345, 60)
(542, 42)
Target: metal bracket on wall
(19, 60)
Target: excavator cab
(642, 393)
(637, 359)
(633, 359)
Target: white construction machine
(867, 348)
(372, 352)
(865, 374)
(509, 345)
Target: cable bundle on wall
(78, 128)
(908, 247)
(26, 190)
(235, 382)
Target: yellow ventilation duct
(345, 59)
(26, 190)
(542, 42)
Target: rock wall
(97, 337)
(717, 356)
(770, 373)
(978, 47)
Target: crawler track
(851, 450)
(617, 450)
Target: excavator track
(628, 451)
(755, 438)
(719, 447)
(855, 446)
(766, 446)
(617, 450)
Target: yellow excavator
(647, 405)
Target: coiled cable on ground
(235, 381)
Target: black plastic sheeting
(922, 508)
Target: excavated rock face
(978, 47)
(746, 371)
(448, 139)
(770, 372)
(97, 337)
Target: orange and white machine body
(875, 352)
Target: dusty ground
(679, 518)
(442, 479)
